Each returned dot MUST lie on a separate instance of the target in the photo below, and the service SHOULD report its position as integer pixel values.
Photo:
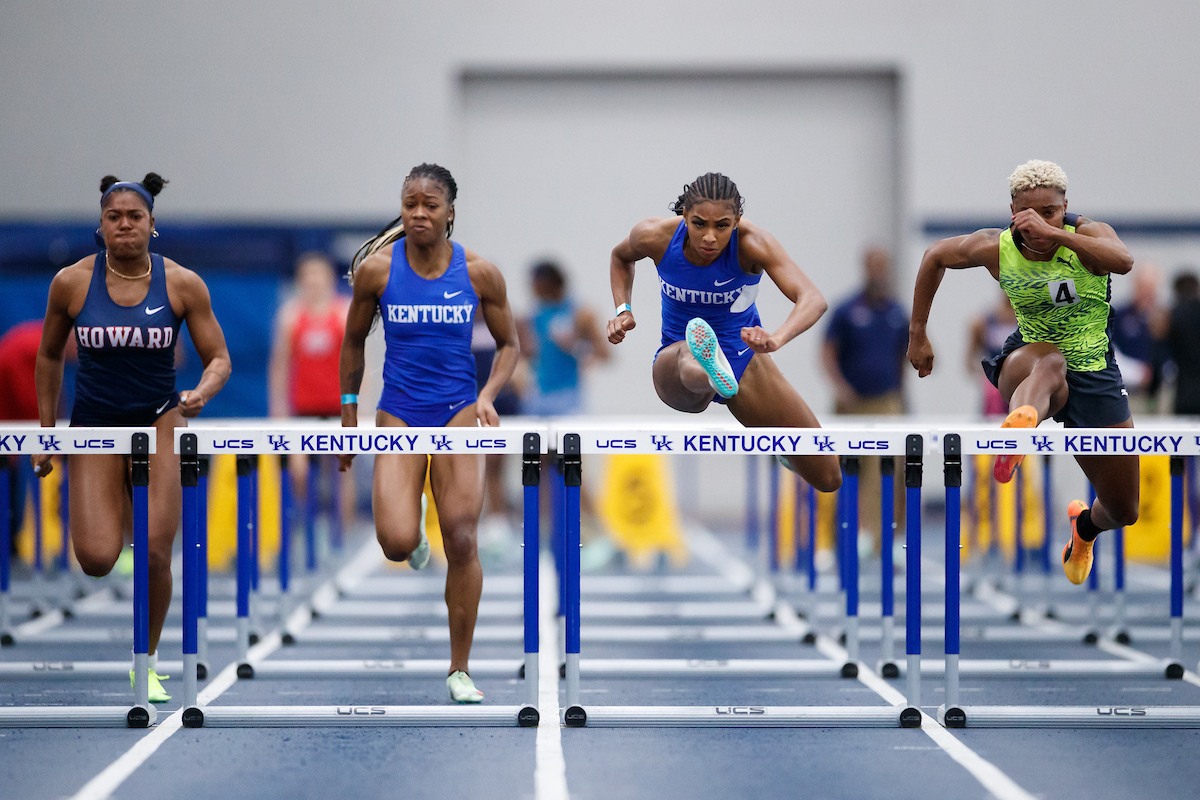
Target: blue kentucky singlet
(427, 329)
(126, 353)
(721, 293)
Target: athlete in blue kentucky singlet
(427, 290)
(710, 265)
(125, 305)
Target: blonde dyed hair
(1036, 174)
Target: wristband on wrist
(621, 309)
(349, 399)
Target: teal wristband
(621, 309)
(349, 399)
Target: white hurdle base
(749, 717)
(1067, 668)
(378, 668)
(366, 634)
(1071, 717)
(78, 716)
(349, 716)
(604, 609)
(714, 668)
(41, 670)
(70, 636)
(415, 586)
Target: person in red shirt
(303, 378)
(18, 354)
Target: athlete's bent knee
(396, 547)
(94, 563)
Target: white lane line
(988, 774)
(110, 779)
(550, 767)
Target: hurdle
(139, 444)
(1176, 443)
(573, 441)
(326, 440)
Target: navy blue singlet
(721, 294)
(428, 371)
(126, 353)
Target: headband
(129, 186)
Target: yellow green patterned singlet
(1060, 302)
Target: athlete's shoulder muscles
(486, 278)
(978, 249)
(758, 249)
(1095, 229)
(69, 288)
(648, 239)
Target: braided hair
(394, 230)
(711, 186)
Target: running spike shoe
(1006, 465)
(462, 688)
(1077, 555)
(419, 557)
(703, 344)
(157, 693)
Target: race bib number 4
(1062, 293)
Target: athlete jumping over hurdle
(125, 305)
(427, 290)
(1056, 269)
(714, 348)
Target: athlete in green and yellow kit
(1055, 267)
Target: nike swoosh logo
(459, 403)
(722, 283)
(151, 311)
(744, 349)
(449, 295)
(159, 410)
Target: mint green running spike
(462, 688)
(419, 558)
(703, 344)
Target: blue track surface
(652, 763)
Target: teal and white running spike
(704, 346)
(462, 688)
(783, 462)
(419, 558)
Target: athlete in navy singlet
(710, 264)
(124, 306)
(426, 290)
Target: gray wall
(318, 109)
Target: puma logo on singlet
(1063, 260)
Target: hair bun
(154, 183)
(107, 181)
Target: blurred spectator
(18, 402)
(864, 354)
(303, 371)
(496, 530)
(1139, 328)
(988, 334)
(559, 339)
(1183, 342)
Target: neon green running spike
(157, 693)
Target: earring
(154, 233)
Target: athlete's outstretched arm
(209, 341)
(370, 279)
(48, 368)
(489, 285)
(760, 250)
(646, 240)
(979, 249)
